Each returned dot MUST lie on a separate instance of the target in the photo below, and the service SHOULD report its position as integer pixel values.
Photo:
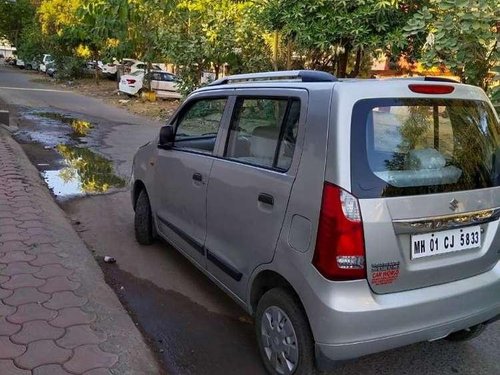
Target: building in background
(6, 49)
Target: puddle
(80, 128)
(85, 172)
(51, 129)
(58, 144)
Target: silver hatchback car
(347, 216)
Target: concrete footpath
(57, 315)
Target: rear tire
(466, 334)
(283, 335)
(143, 220)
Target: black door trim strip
(223, 265)
(190, 240)
(227, 268)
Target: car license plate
(428, 244)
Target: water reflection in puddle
(80, 127)
(72, 169)
(85, 173)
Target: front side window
(263, 132)
(198, 126)
(423, 146)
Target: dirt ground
(107, 90)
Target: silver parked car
(347, 216)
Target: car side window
(263, 132)
(197, 127)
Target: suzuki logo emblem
(454, 204)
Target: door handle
(198, 177)
(266, 198)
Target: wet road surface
(82, 148)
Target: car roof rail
(285, 75)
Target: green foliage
(202, 33)
(460, 34)
(31, 44)
(14, 18)
(328, 31)
(70, 67)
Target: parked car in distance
(46, 60)
(32, 65)
(110, 70)
(141, 66)
(348, 217)
(51, 70)
(20, 63)
(131, 84)
(91, 65)
(163, 83)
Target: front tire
(283, 335)
(143, 220)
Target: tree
(202, 34)
(32, 44)
(329, 32)
(97, 25)
(15, 16)
(460, 34)
(55, 15)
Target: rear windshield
(423, 146)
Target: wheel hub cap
(279, 340)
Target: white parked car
(92, 64)
(46, 60)
(163, 83)
(20, 63)
(141, 66)
(111, 69)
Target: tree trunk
(289, 54)
(217, 70)
(357, 65)
(96, 71)
(343, 60)
(275, 50)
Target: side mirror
(166, 137)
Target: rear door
(250, 183)
(163, 82)
(427, 173)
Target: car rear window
(423, 146)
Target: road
(193, 327)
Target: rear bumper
(348, 320)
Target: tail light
(340, 245)
(130, 81)
(431, 89)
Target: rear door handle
(266, 198)
(198, 177)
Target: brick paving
(57, 315)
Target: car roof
(372, 87)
